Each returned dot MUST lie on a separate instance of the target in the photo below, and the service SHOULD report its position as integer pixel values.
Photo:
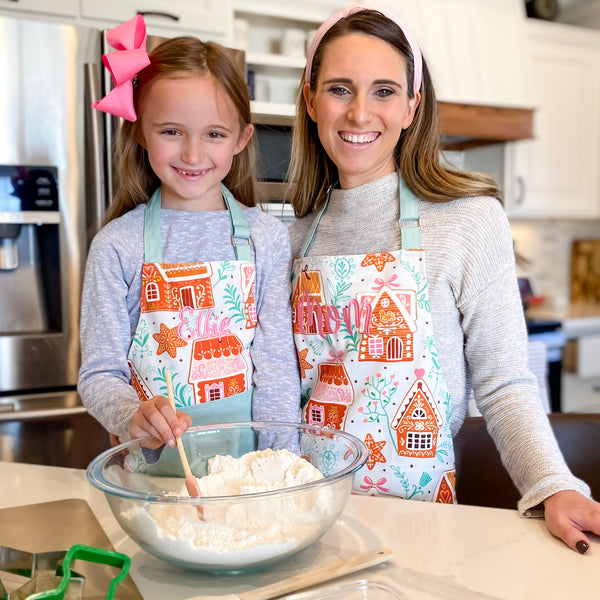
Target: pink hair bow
(129, 41)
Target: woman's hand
(568, 514)
(156, 418)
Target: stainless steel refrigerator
(53, 167)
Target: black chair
(481, 478)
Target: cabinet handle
(154, 13)
(521, 190)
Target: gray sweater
(476, 312)
(111, 308)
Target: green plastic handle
(89, 554)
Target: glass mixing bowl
(228, 534)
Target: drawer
(580, 395)
(209, 16)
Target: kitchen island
(441, 551)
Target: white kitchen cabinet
(556, 174)
(579, 394)
(581, 373)
(259, 27)
(476, 50)
(64, 8)
(209, 17)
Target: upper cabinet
(63, 8)
(556, 174)
(275, 36)
(209, 17)
(476, 50)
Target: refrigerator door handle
(8, 413)
(95, 151)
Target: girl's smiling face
(191, 131)
(361, 106)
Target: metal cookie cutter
(50, 573)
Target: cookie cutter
(51, 577)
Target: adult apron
(197, 320)
(369, 364)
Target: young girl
(188, 275)
(405, 296)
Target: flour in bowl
(244, 531)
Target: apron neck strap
(240, 237)
(409, 222)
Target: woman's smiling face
(361, 106)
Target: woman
(405, 295)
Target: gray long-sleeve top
(111, 308)
(477, 317)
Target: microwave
(273, 135)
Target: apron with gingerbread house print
(197, 320)
(369, 364)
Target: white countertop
(441, 552)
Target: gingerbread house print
(332, 396)
(392, 325)
(217, 368)
(417, 421)
(248, 278)
(445, 492)
(309, 295)
(175, 286)
(137, 382)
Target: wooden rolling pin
(309, 578)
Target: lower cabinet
(580, 394)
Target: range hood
(465, 126)
(479, 59)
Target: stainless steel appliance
(273, 134)
(52, 199)
(55, 181)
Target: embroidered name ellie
(201, 324)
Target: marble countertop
(441, 552)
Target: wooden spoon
(191, 483)
(310, 577)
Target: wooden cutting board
(59, 525)
(585, 271)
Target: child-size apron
(369, 364)
(197, 320)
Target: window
(419, 413)
(152, 292)
(252, 313)
(316, 415)
(214, 391)
(419, 441)
(376, 346)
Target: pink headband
(129, 41)
(342, 14)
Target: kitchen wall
(546, 244)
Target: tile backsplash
(546, 244)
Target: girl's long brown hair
(184, 56)
(417, 153)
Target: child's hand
(568, 514)
(156, 418)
